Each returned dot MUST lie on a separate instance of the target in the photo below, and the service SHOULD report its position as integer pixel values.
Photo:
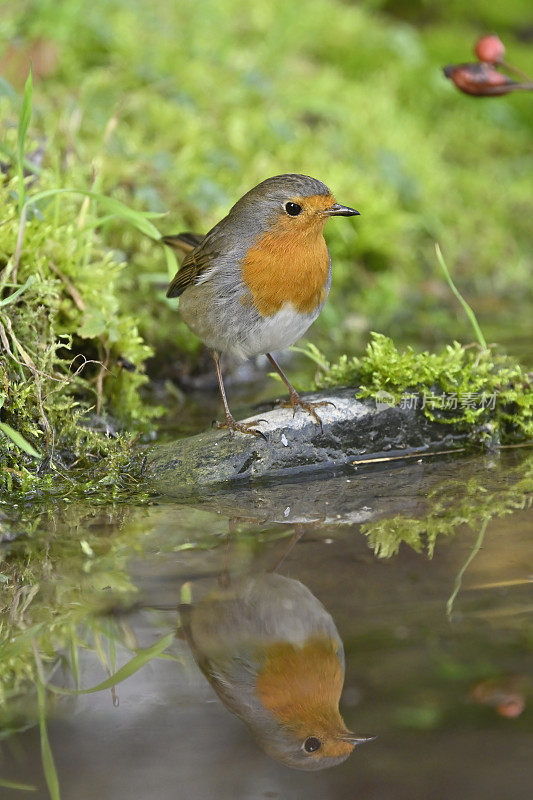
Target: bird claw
(295, 402)
(243, 427)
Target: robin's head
(290, 203)
(327, 742)
(278, 226)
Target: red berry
(490, 49)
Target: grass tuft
(69, 409)
(24, 122)
(468, 311)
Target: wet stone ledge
(353, 430)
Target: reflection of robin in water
(273, 655)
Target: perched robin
(273, 655)
(260, 277)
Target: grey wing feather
(198, 260)
(230, 675)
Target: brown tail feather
(183, 242)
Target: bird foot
(295, 402)
(244, 427)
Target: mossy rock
(353, 430)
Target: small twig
(299, 531)
(70, 287)
(511, 68)
(502, 584)
(100, 381)
(112, 122)
(28, 361)
(5, 342)
(38, 661)
(410, 455)
(67, 379)
(86, 200)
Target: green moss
(478, 390)
(65, 395)
(46, 600)
(451, 504)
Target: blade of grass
(12, 297)
(19, 440)
(113, 666)
(115, 207)
(11, 647)
(112, 654)
(313, 353)
(141, 658)
(459, 579)
(469, 313)
(100, 651)
(186, 593)
(74, 658)
(172, 263)
(49, 767)
(21, 787)
(24, 122)
(99, 222)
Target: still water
(421, 572)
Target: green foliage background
(181, 107)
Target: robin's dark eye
(292, 209)
(312, 744)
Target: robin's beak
(337, 210)
(355, 740)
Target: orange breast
(288, 264)
(301, 687)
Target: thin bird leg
(231, 423)
(224, 579)
(295, 401)
(299, 530)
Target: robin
(273, 655)
(257, 281)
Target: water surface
(425, 567)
